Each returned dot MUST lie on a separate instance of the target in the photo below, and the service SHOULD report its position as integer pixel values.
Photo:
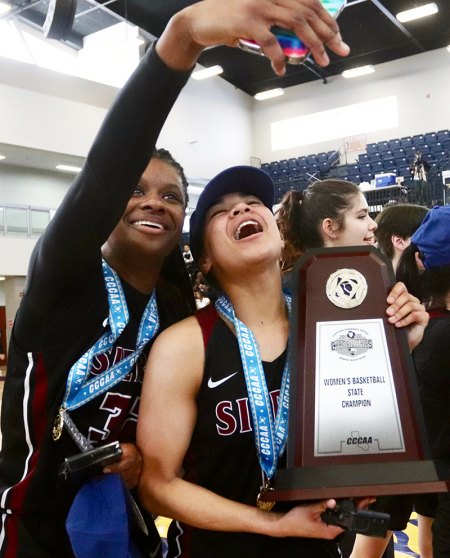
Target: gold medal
(261, 504)
(59, 424)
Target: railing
(23, 220)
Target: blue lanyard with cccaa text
(270, 434)
(78, 390)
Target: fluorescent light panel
(4, 8)
(68, 168)
(448, 48)
(2, 157)
(207, 72)
(356, 72)
(263, 95)
(417, 13)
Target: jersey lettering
(232, 417)
(120, 421)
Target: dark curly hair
(165, 155)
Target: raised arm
(166, 422)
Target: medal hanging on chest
(270, 433)
(80, 390)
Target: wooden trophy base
(372, 479)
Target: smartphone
(90, 463)
(294, 49)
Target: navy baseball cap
(432, 238)
(243, 179)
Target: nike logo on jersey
(212, 384)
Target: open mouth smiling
(149, 224)
(246, 229)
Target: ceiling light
(2, 157)
(448, 48)
(4, 8)
(2, 278)
(207, 72)
(417, 13)
(68, 168)
(263, 95)
(356, 72)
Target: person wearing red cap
(219, 379)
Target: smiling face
(153, 219)
(357, 229)
(240, 232)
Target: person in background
(334, 213)
(427, 262)
(188, 259)
(396, 225)
(105, 277)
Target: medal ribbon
(270, 434)
(78, 390)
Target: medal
(261, 504)
(58, 426)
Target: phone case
(90, 463)
(294, 49)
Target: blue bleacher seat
(356, 178)
(441, 155)
(394, 144)
(324, 166)
(301, 161)
(363, 157)
(430, 137)
(406, 142)
(377, 167)
(383, 146)
(389, 164)
(442, 135)
(374, 157)
(366, 177)
(404, 171)
(322, 157)
(372, 148)
(418, 140)
(333, 157)
(446, 144)
(428, 157)
(401, 161)
(365, 168)
(310, 159)
(410, 152)
(398, 152)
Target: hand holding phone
(294, 49)
(90, 463)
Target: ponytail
(288, 220)
(408, 272)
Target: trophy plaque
(355, 420)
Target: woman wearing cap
(216, 380)
(120, 208)
(426, 262)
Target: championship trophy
(355, 422)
